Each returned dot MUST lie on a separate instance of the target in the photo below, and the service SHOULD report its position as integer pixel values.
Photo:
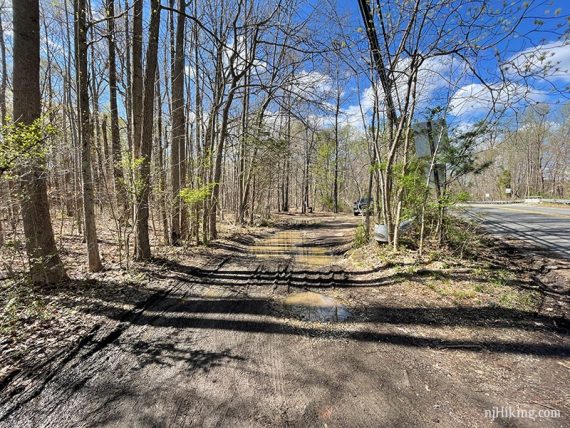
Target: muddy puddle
(311, 306)
(292, 244)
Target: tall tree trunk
(4, 82)
(242, 197)
(98, 171)
(3, 85)
(118, 177)
(209, 139)
(218, 162)
(135, 97)
(70, 108)
(336, 143)
(45, 265)
(198, 109)
(128, 97)
(137, 75)
(160, 164)
(287, 160)
(143, 170)
(86, 137)
(178, 156)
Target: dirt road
(226, 345)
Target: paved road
(546, 227)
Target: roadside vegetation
(469, 272)
(142, 140)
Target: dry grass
(441, 275)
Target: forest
(160, 122)
(284, 213)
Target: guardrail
(556, 201)
(516, 201)
(524, 201)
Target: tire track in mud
(273, 363)
(216, 352)
(328, 277)
(223, 409)
(62, 399)
(271, 358)
(89, 347)
(98, 339)
(219, 413)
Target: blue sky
(470, 97)
(546, 23)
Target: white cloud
(477, 99)
(442, 80)
(435, 75)
(546, 60)
(237, 57)
(190, 71)
(355, 114)
(310, 84)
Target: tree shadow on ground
(182, 309)
(185, 306)
(333, 276)
(169, 353)
(197, 314)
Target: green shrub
(360, 238)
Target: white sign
(421, 137)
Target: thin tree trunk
(210, 136)
(209, 139)
(137, 76)
(128, 97)
(4, 82)
(242, 197)
(287, 161)
(86, 137)
(160, 165)
(198, 143)
(3, 85)
(336, 144)
(218, 163)
(74, 200)
(118, 176)
(135, 97)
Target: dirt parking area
(287, 329)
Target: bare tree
(86, 134)
(118, 176)
(143, 251)
(178, 157)
(3, 85)
(45, 264)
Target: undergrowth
(457, 271)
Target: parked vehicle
(362, 205)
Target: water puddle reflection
(292, 244)
(311, 306)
